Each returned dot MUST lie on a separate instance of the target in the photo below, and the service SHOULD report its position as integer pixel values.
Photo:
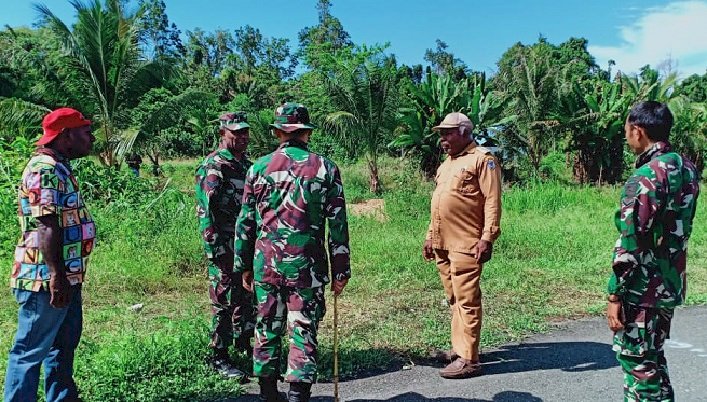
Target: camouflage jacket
(219, 191)
(654, 222)
(288, 196)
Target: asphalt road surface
(572, 363)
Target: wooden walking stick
(336, 348)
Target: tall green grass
(551, 262)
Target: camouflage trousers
(639, 350)
(232, 308)
(297, 310)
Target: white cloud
(677, 31)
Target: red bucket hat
(57, 120)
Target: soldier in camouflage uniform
(654, 222)
(289, 195)
(219, 191)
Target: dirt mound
(374, 208)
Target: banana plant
(592, 115)
(689, 133)
(431, 100)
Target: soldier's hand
(613, 316)
(338, 286)
(483, 251)
(248, 281)
(59, 291)
(428, 252)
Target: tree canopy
(150, 86)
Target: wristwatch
(614, 299)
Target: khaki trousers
(460, 276)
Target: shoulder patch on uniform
(631, 189)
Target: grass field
(550, 263)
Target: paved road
(572, 363)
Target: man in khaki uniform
(465, 219)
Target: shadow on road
(505, 396)
(565, 356)
(528, 357)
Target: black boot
(299, 392)
(268, 390)
(221, 362)
(242, 344)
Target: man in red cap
(58, 235)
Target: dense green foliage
(160, 92)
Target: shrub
(554, 167)
(13, 157)
(167, 365)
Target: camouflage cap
(291, 116)
(233, 121)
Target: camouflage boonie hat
(292, 116)
(234, 121)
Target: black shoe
(268, 390)
(299, 392)
(224, 366)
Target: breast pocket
(465, 182)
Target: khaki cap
(454, 120)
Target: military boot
(243, 345)
(268, 390)
(299, 392)
(222, 363)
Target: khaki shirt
(466, 204)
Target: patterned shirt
(49, 188)
(289, 195)
(219, 190)
(654, 222)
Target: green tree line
(154, 90)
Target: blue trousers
(45, 335)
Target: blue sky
(632, 32)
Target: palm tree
(362, 85)
(158, 112)
(528, 87)
(106, 60)
(648, 85)
(20, 118)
